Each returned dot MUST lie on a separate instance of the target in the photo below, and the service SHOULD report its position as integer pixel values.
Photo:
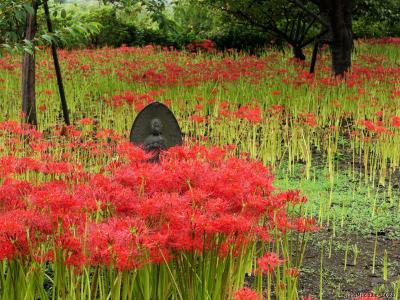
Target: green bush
(113, 31)
(375, 19)
(116, 27)
(198, 21)
(240, 37)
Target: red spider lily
(292, 272)
(368, 125)
(85, 67)
(85, 121)
(383, 41)
(277, 107)
(12, 193)
(137, 100)
(6, 65)
(21, 231)
(197, 119)
(178, 209)
(131, 213)
(396, 93)
(309, 119)
(303, 225)
(276, 92)
(293, 196)
(249, 113)
(198, 107)
(204, 45)
(48, 92)
(396, 121)
(246, 294)
(376, 127)
(269, 262)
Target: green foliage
(194, 18)
(12, 19)
(240, 36)
(282, 19)
(112, 32)
(131, 25)
(13, 14)
(243, 25)
(376, 18)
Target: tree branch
(310, 40)
(311, 13)
(270, 27)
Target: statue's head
(156, 126)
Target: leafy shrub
(240, 37)
(116, 28)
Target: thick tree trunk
(342, 36)
(28, 72)
(337, 13)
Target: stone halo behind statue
(155, 129)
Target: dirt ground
(357, 279)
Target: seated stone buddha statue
(155, 129)
(155, 141)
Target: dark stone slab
(156, 128)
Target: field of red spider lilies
(84, 216)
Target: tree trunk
(342, 36)
(64, 105)
(298, 53)
(28, 72)
(340, 33)
(314, 57)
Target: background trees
(282, 19)
(250, 25)
(18, 28)
(373, 18)
(247, 24)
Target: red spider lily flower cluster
(246, 294)
(378, 126)
(387, 40)
(252, 114)
(269, 262)
(292, 272)
(139, 101)
(131, 212)
(202, 45)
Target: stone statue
(156, 129)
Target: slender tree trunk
(314, 57)
(64, 105)
(28, 72)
